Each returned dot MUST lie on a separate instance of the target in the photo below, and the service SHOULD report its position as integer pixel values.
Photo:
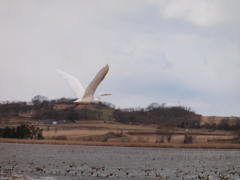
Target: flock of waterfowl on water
(63, 162)
(83, 170)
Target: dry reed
(177, 133)
(126, 144)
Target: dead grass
(110, 136)
(126, 144)
(62, 137)
(72, 134)
(100, 124)
(177, 133)
(217, 119)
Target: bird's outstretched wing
(73, 82)
(89, 92)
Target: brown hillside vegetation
(81, 106)
(102, 124)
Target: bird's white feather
(89, 92)
(73, 82)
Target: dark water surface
(37, 161)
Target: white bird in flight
(85, 96)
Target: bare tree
(169, 135)
(164, 132)
(55, 131)
(38, 100)
(160, 137)
(153, 106)
(211, 122)
(48, 129)
(224, 124)
(188, 139)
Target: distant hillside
(106, 111)
(157, 114)
(63, 109)
(81, 106)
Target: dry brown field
(93, 132)
(93, 128)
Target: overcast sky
(168, 51)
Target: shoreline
(124, 144)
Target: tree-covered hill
(40, 109)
